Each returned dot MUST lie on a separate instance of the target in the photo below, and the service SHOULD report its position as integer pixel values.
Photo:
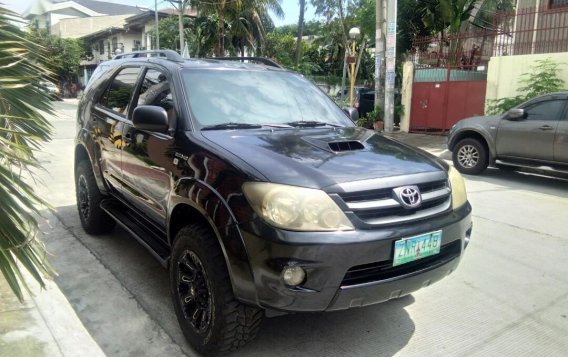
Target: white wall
(504, 73)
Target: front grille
(379, 207)
(375, 272)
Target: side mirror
(352, 113)
(150, 118)
(516, 114)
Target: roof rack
(262, 60)
(169, 54)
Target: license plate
(413, 248)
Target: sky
(290, 7)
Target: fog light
(293, 276)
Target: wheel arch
(185, 212)
(82, 152)
(474, 134)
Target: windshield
(257, 97)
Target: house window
(114, 44)
(101, 47)
(555, 4)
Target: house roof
(138, 20)
(103, 33)
(107, 8)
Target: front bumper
(348, 269)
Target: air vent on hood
(339, 146)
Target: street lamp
(354, 34)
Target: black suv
(258, 193)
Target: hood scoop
(334, 144)
(341, 146)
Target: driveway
(509, 297)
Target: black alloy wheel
(93, 219)
(83, 197)
(209, 315)
(194, 293)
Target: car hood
(484, 121)
(321, 157)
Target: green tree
(248, 22)
(23, 129)
(280, 47)
(62, 55)
(169, 31)
(240, 16)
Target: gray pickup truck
(533, 134)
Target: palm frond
(23, 130)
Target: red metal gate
(439, 100)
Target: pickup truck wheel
(93, 219)
(470, 156)
(211, 319)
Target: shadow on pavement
(524, 180)
(379, 330)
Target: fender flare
(210, 204)
(467, 132)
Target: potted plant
(376, 118)
(372, 120)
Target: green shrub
(542, 79)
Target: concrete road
(509, 297)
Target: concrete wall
(127, 39)
(504, 72)
(79, 27)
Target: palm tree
(22, 131)
(249, 23)
(249, 14)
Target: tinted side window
(155, 90)
(118, 94)
(548, 110)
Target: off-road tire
(478, 159)
(232, 324)
(94, 220)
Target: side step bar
(546, 169)
(142, 231)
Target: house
(539, 26)
(536, 30)
(47, 13)
(135, 33)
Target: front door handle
(546, 127)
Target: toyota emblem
(408, 196)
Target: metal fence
(532, 31)
(518, 32)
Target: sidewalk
(45, 325)
(434, 144)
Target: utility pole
(379, 53)
(182, 4)
(156, 24)
(390, 62)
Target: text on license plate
(413, 248)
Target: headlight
(459, 195)
(295, 208)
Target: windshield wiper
(231, 125)
(311, 124)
